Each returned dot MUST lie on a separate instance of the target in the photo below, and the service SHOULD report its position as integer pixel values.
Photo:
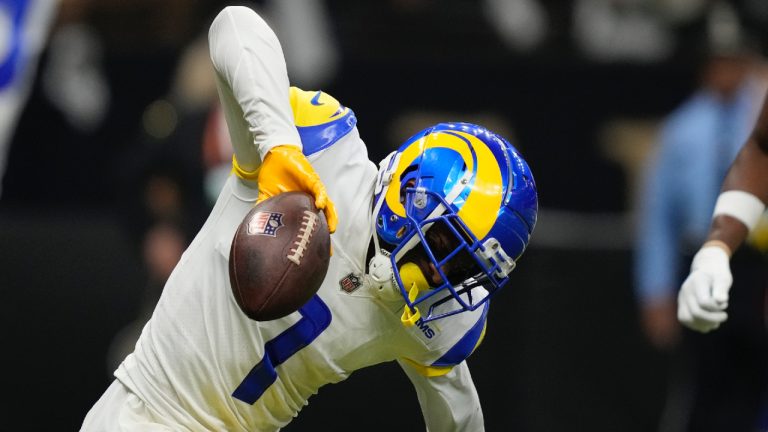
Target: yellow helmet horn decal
(486, 188)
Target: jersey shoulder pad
(320, 119)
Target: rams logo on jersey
(424, 327)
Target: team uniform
(201, 363)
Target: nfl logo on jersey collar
(363, 285)
(350, 283)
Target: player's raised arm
(703, 297)
(449, 402)
(253, 86)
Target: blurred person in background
(705, 302)
(91, 91)
(718, 383)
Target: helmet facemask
(461, 274)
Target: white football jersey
(202, 364)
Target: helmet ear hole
(401, 231)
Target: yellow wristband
(243, 174)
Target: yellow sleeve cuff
(243, 174)
(428, 371)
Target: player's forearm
(728, 233)
(745, 190)
(253, 84)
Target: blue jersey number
(315, 317)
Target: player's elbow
(233, 13)
(234, 19)
(236, 29)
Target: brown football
(279, 256)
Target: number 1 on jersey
(315, 318)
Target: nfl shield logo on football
(350, 282)
(265, 223)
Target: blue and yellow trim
(458, 353)
(466, 345)
(320, 119)
(243, 174)
(428, 371)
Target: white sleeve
(448, 402)
(253, 84)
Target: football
(279, 256)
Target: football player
(703, 297)
(445, 217)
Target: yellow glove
(284, 169)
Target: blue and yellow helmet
(461, 199)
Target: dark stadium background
(563, 351)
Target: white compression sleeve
(253, 84)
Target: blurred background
(112, 150)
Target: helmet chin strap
(380, 266)
(382, 277)
(380, 272)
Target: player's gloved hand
(285, 169)
(703, 297)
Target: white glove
(703, 297)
